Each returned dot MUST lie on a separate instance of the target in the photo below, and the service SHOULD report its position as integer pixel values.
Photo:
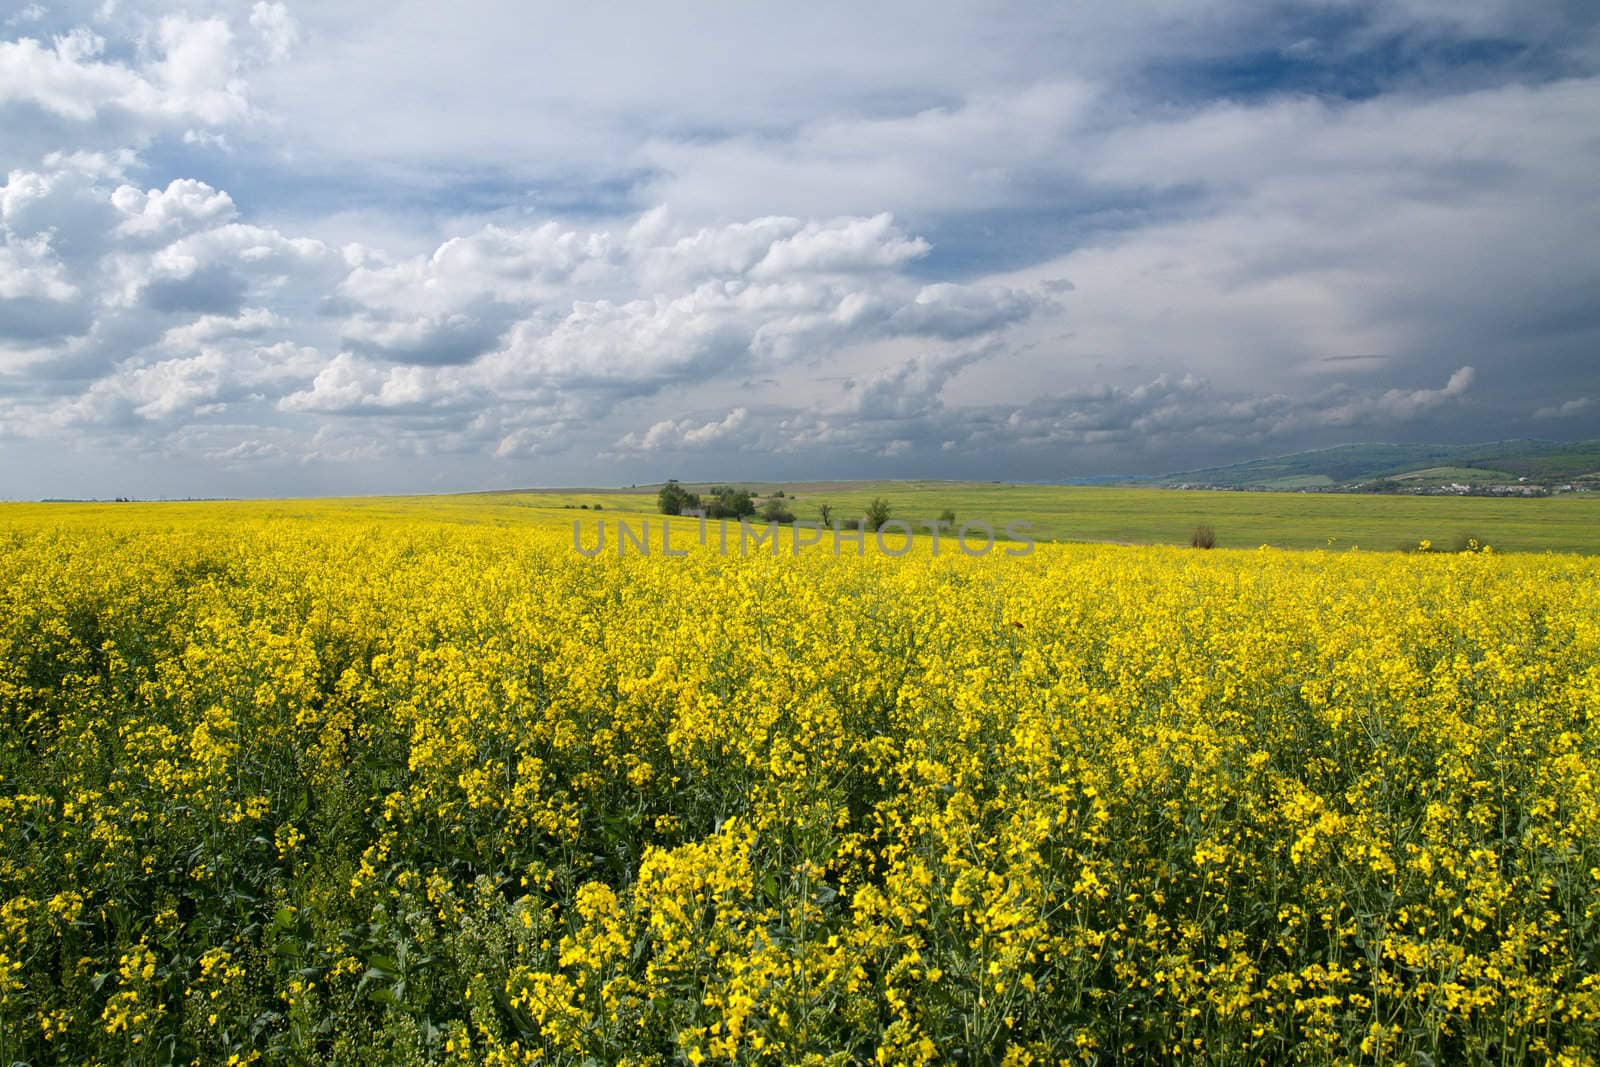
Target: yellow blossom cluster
(331, 788)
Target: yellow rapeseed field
(320, 788)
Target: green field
(1240, 519)
(1568, 523)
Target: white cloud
(908, 389)
(543, 303)
(206, 383)
(841, 246)
(197, 71)
(185, 206)
(350, 385)
(192, 79)
(990, 148)
(216, 269)
(1566, 409)
(279, 31)
(95, 165)
(66, 78)
(28, 268)
(676, 435)
(344, 384)
(251, 322)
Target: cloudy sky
(292, 248)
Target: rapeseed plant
(339, 790)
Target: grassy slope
(1062, 513)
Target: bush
(877, 513)
(1203, 537)
(774, 511)
(948, 516)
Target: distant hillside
(1502, 468)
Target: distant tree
(1203, 537)
(774, 511)
(948, 516)
(674, 499)
(826, 511)
(730, 504)
(877, 513)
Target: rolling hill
(1504, 466)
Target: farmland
(1334, 521)
(411, 781)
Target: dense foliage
(318, 790)
(674, 499)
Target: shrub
(877, 513)
(948, 516)
(1203, 537)
(774, 511)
